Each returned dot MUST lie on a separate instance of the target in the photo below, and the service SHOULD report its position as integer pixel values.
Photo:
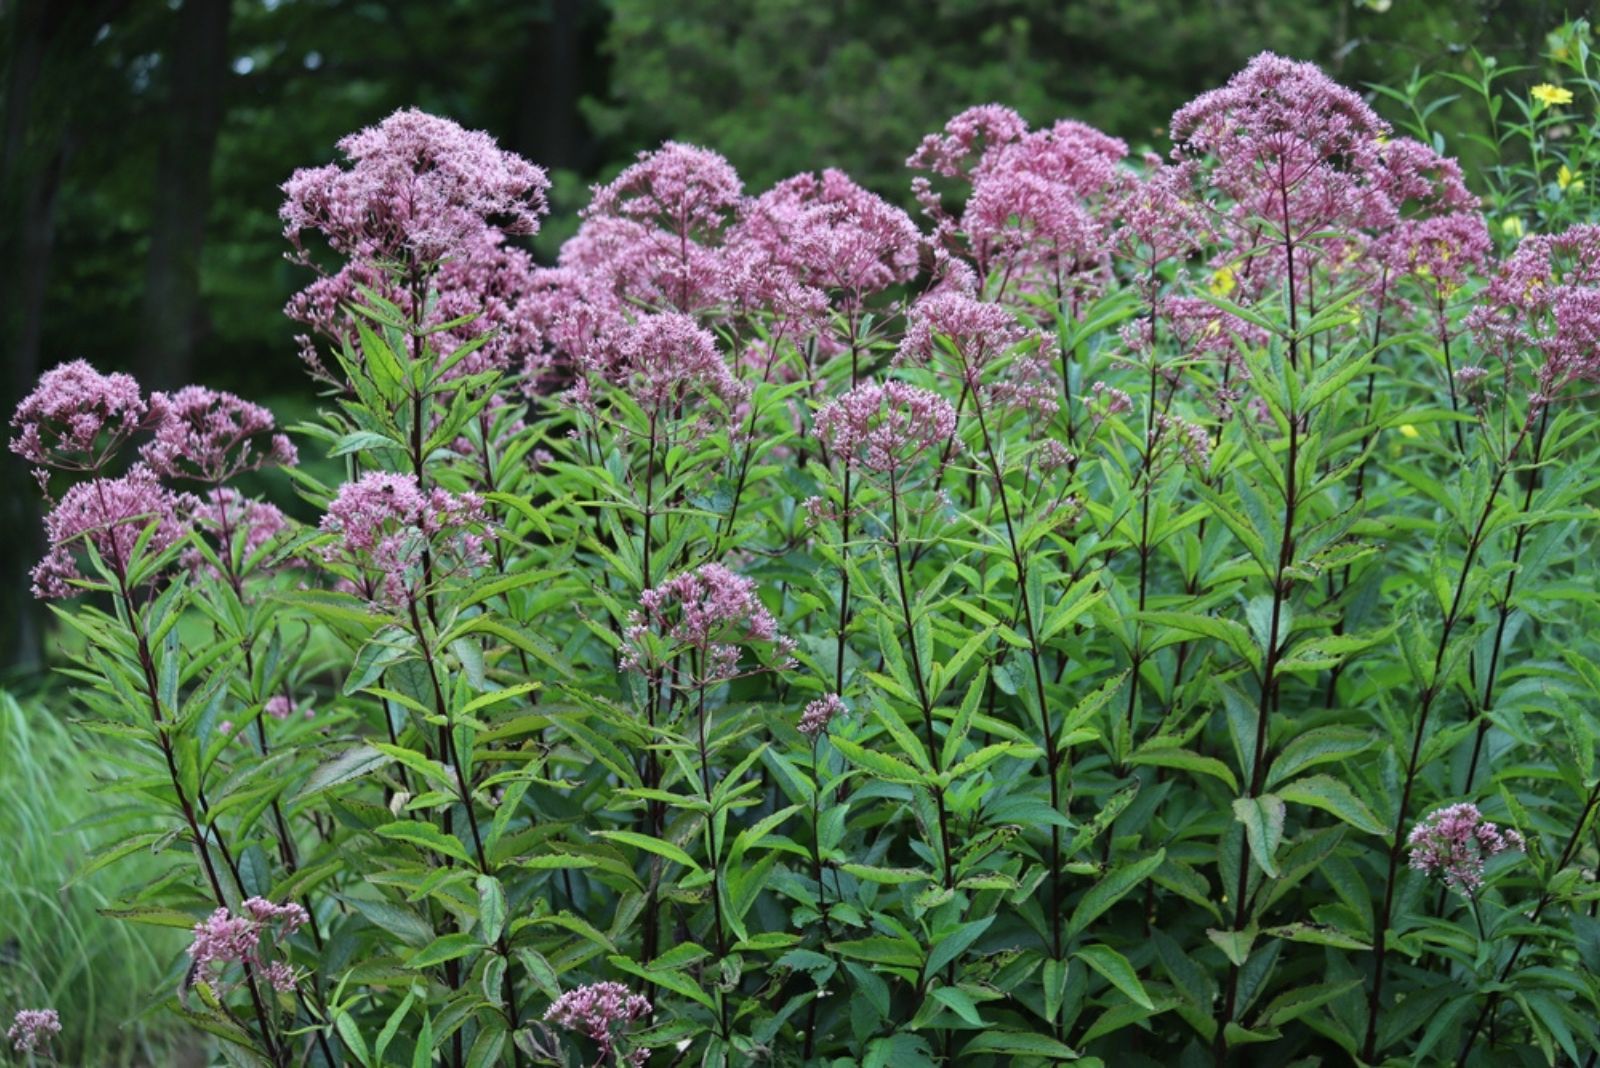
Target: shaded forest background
(143, 140)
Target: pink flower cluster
(951, 327)
(385, 528)
(600, 1011)
(886, 427)
(666, 361)
(1454, 842)
(418, 190)
(111, 514)
(711, 610)
(231, 519)
(76, 417)
(1546, 299)
(224, 938)
(1037, 213)
(210, 436)
(487, 282)
(825, 234)
(819, 713)
(281, 706)
(653, 236)
(32, 1029)
(1290, 148)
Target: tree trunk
(31, 163)
(172, 318)
(550, 130)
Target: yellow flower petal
(1551, 95)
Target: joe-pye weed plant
(1138, 615)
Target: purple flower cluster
(1454, 842)
(210, 436)
(950, 326)
(224, 938)
(711, 610)
(826, 235)
(229, 518)
(487, 282)
(653, 236)
(886, 427)
(386, 529)
(418, 189)
(76, 417)
(32, 1029)
(1291, 149)
(600, 1011)
(819, 713)
(665, 361)
(111, 514)
(1546, 299)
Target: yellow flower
(1407, 430)
(1223, 281)
(1567, 178)
(1551, 95)
(1511, 226)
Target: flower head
(886, 427)
(1551, 95)
(396, 538)
(665, 361)
(231, 520)
(418, 189)
(1292, 150)
(656, 230)
(826, 233)
(1546, 299)
(32, 1029)
(819, 713)
(225, 938)
(600, 1011)
(210, 436)
(111, 514)
(711, 610)
(1454, 842)
(76, 417)
(969, 336)
(486, 281)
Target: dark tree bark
(550, 130)
(32, 156)
(172, 319)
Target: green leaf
(1116, 969)
(1109, 890)
(1320, 745)
(396, 919)
(351, 764)
(443, 948)
(1235, 945)
(425, 835)
(1185, 760)
(1331, 795)
(1019, 1043)
(1263, 825)
(389, 646)
(957, 942)
(881, 949)
(651, 845)
(491, 908)
(961, 1003)
(882, 765)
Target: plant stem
(1426, 700)
(948, 875)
